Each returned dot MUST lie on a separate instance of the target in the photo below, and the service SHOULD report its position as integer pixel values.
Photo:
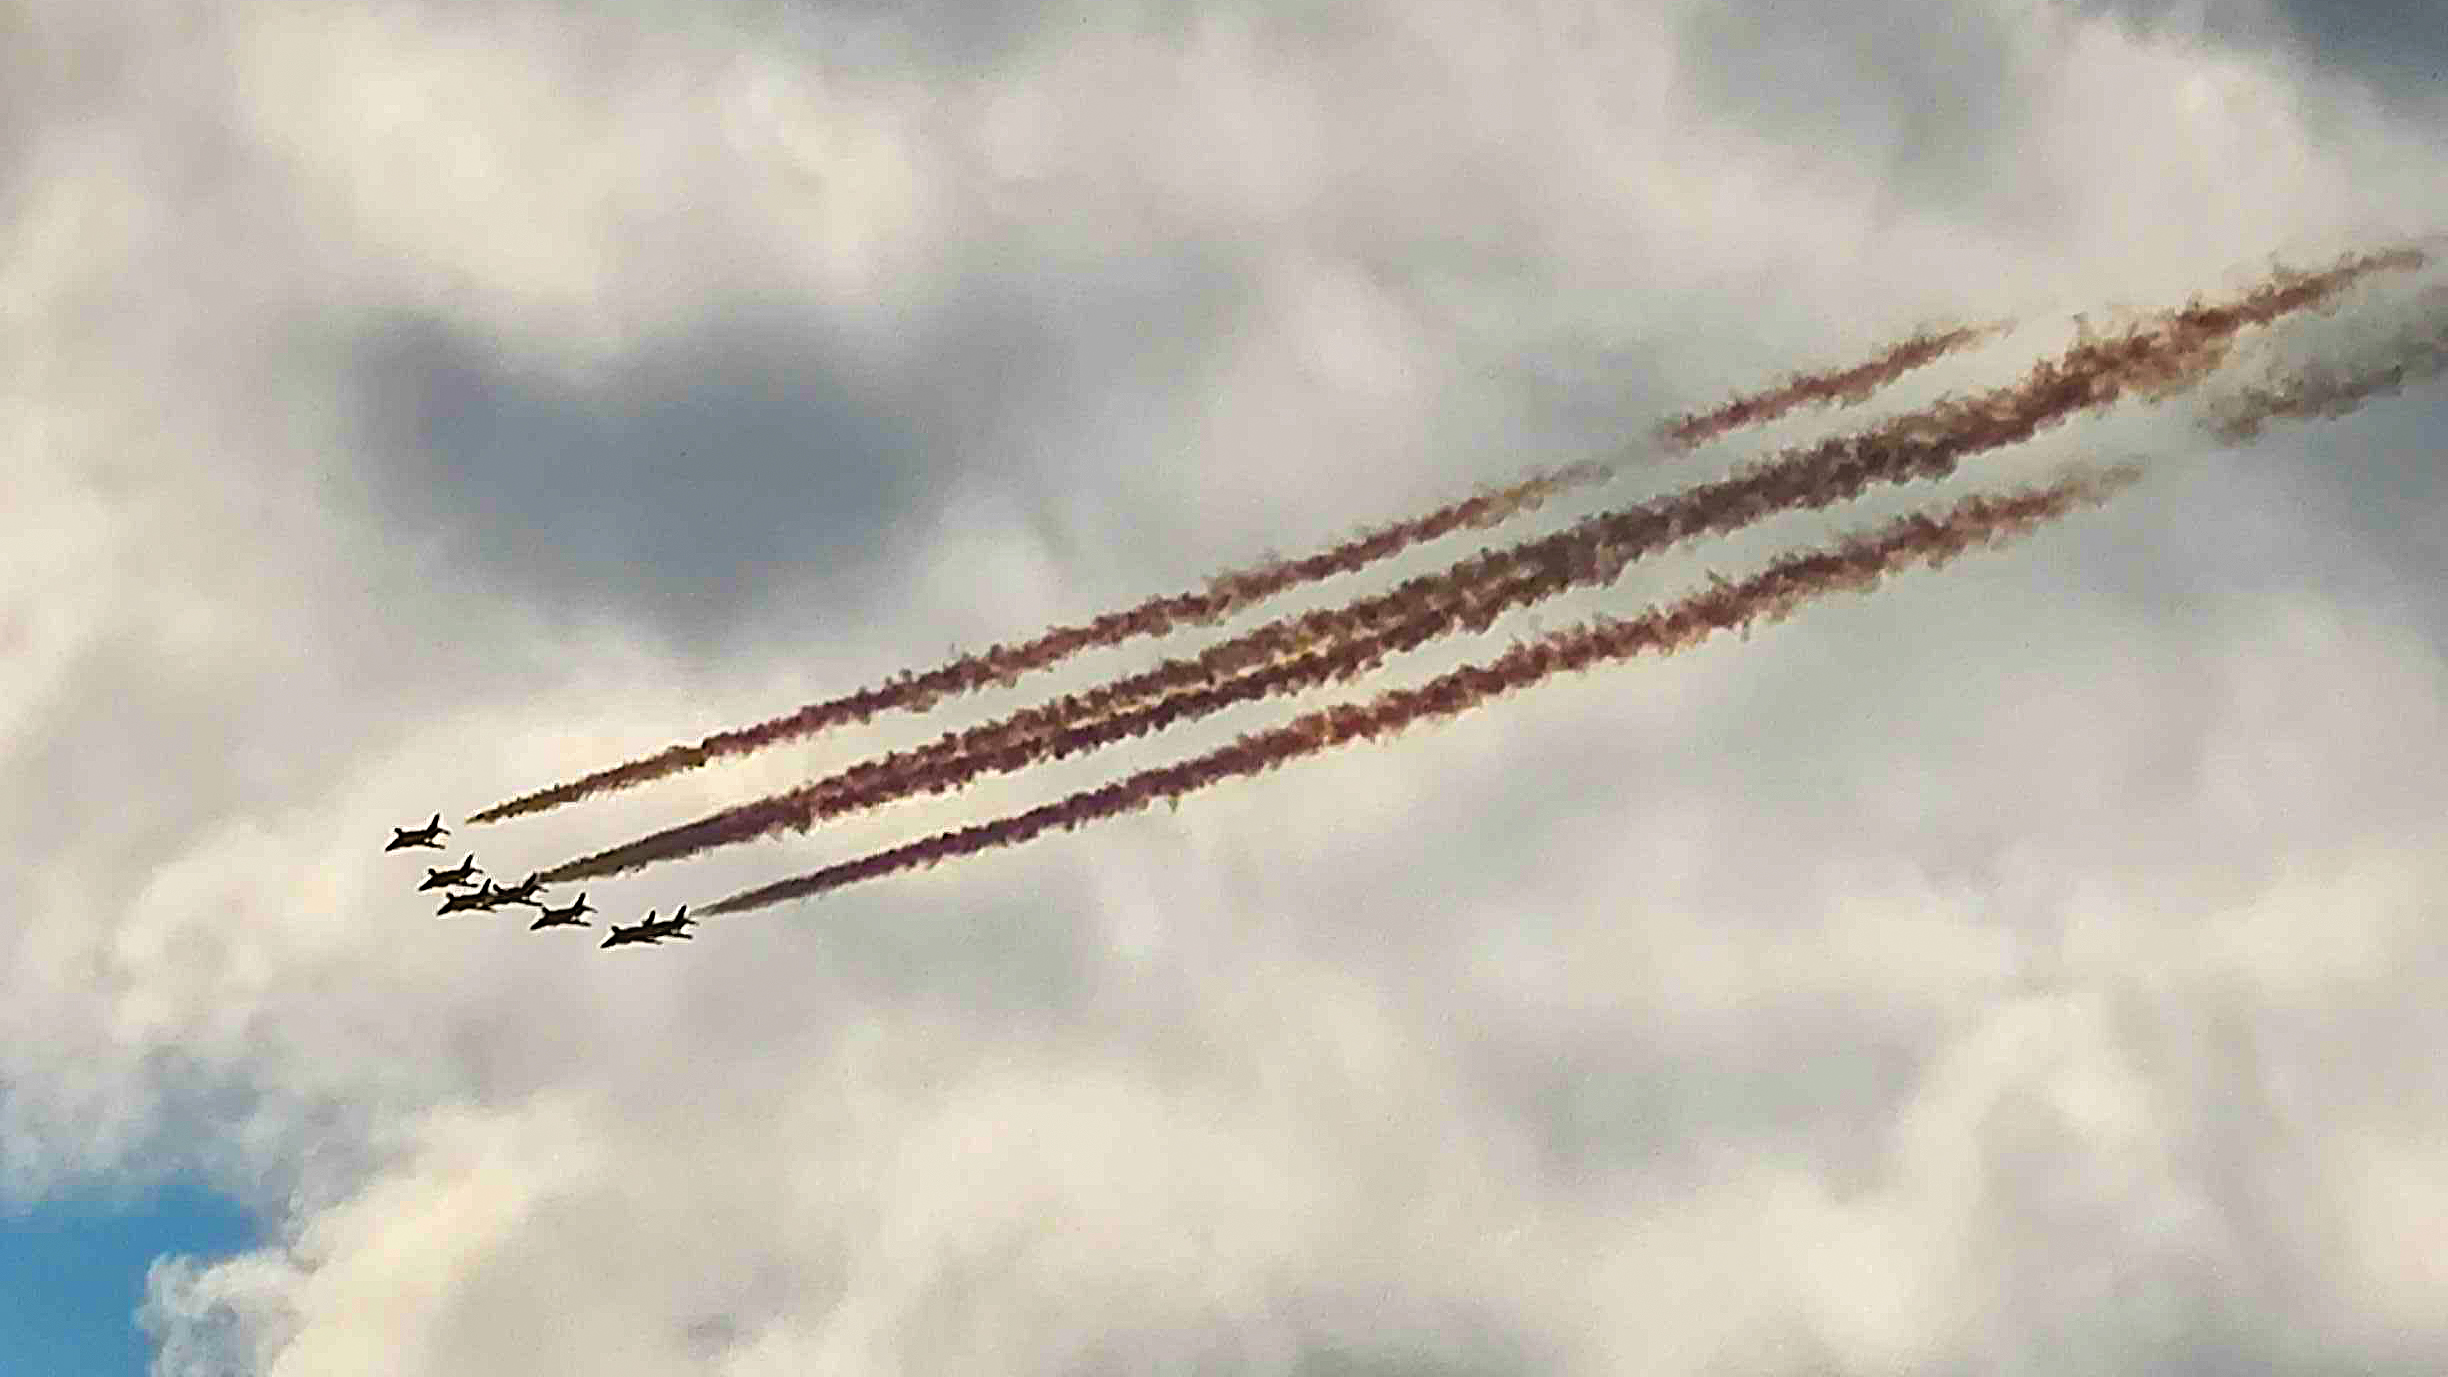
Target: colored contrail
(2160, 356)
(1847, 386)
(1857, 563)
(2331, 388)
(1224, 594)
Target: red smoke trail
(1225, 594)
(1848, 386)
(1857, 563)
(2158, 357)
(1175, 692)
(2331, 389)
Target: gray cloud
(1927, 101)
(2402, 44)
(712, 473)
(2395, 47)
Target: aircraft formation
(2150, 356)
(465, 889)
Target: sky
(73, 1270)
(2030, 967)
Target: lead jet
(403, 837)
(485, 899)
(646, 932)
(444, 879)
(565, 917)
(524, 892)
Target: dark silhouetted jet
(486, 899)
(643, 932)
(677, 925)
(402, 837)
(524, 892)
(565, 917)
(444, 879)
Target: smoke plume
(2159, 357)
(1225, 594)
(1857, 564)
(1846, 386)
(2417, 353)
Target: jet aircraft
(565, 917)
(677, 925)
(441, 879)
(486, 899)
(402, 837)
(524, 892)
(647, 932)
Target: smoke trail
(1175, 692)
(1848, 386)
(1225, 593)
(2331, 389)
(1333, 644)
(1857, 563)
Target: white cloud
(2016, 969)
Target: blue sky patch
(72, 1274)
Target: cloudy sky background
(2031, 968)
